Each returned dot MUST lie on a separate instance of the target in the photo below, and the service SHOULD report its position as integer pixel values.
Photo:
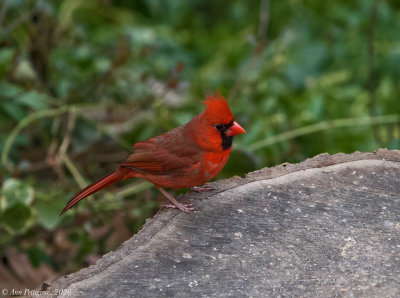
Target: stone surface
(329, 226)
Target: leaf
(48, 213)
(24, 71)
(38, 256)
(15, 192)
(6, 55)
(4, 235)
(394, 144)
(16, 217)
(86, 245)
(34, 100)
(14, 110)
(9, 90)
(315, 110)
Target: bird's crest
(217, 109)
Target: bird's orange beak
(235, 129)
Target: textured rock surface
(329, 226)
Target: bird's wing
(170, 153)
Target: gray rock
(329, 226)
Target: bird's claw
(183, 207)
(201, 188)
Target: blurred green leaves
(16, 197)
(15, 191)
(16, 217)
(48, 213)
(19, 211)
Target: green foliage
(48, 212)
(15, 200)
(80, 81)
(15, 191)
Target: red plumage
(187, 156)
(217, 109)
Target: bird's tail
(117, 175)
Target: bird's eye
(219, 126)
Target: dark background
(81, 81)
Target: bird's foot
(183, 207)
(201, 189)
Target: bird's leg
(201, 188)
(183, 207)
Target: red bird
(186, 156)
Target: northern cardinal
(187, 156)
